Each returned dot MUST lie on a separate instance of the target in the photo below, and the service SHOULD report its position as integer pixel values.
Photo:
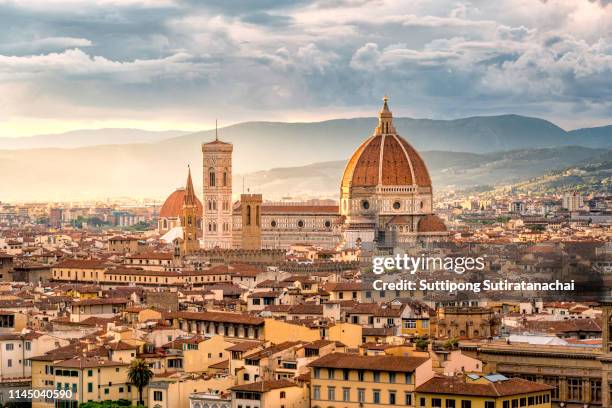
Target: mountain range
(287, 158)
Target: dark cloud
(194, 56)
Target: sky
(181, 64)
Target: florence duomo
(385, 202)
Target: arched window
(189, 220)
(225, 178)
(211, 177)
(248, 215)
(165, 223)
(214, 205)
(283, 394)
(257, 216)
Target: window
(317, 373)
(422, 402)
(376, 376)
(283, 394)
(409, 324)
(523, 402)
(574, 386)
(489, 404)
(359, 375)
(360, 395)
(331, 393)
(346, 394)
(392, 378)
(345, 374)
(407, 398)
(28, 345)
(408, 378)
(436, 403)
(515, 403)
(530, 401)
(157, 396)
(331, 373)
(9, 362)
(211, 177)
(505, 405)
(316, 392)
(9, 346)
(392, 397)
(89, 387)
(396, 205)
(106, 391)
(376, 396)
(466, 404)
(120, 389)
(365, 204)
(450, 403)
(300, 224)
(596, 390)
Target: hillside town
(249, 303)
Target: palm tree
(140, 374)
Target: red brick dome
(173, 206)
(431, 223)
(385, 159)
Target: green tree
(140, 374)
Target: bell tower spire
(189, 218)
(385, 120)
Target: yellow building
(345, 381)
(89, 379)
(474, 391)
(274, 393)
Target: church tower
(217, 176)
(189, 218)
(250, 210)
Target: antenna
(216, 131)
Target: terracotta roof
(264, 386)
(81, 264)
(455, 386)
(88, 362)
(221, 317)
(431, 223)
(244, 346)
(101, 301)
(381, 363)
(173, 206)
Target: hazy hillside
(155, 169)
(448, 170)
(81, 138)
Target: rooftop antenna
(216, 132)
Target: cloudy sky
(179, 64)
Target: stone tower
(250, 209)
(217, 204)
(606, 348)
(189, 218)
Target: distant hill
(81, 138)
(471, 151)
(449, 170)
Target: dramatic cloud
(192, 61)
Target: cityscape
(305, 204)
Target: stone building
(217, 176)
(465, 323)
